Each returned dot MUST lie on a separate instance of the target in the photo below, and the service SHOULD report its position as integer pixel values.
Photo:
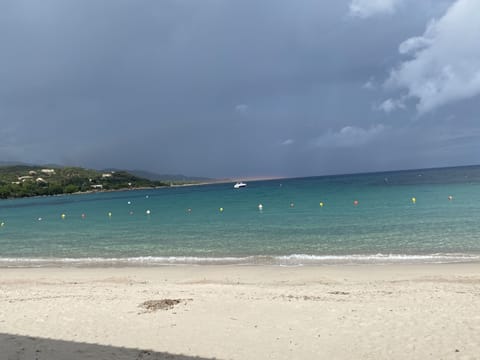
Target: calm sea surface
(187, 225)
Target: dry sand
(240, 312)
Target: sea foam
(284, 260)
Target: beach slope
(235, 312)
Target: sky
(224, 88)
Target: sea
(414, 216)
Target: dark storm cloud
(216, 88)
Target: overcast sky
(225, 88)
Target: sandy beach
(241, 312)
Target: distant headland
(18, 181)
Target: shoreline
(392, 271)
(293, 260)
(214, 268)
(420, 311)
(202, 183)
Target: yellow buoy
(2, 224)
(414, 200)
(221, 209)
(321, 204)
(109, 214)
(63, 216)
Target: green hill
(24, 180)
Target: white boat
(239, 185)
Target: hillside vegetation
(23, 181)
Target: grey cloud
(368, 8)
(207, 88)
(446, 60)
(349, 136)
(288, 142)
(370, 85)
(241, 108)
(390, 105)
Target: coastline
(395, 311)
(293, 260)
(202, 183)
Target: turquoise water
(291, 229)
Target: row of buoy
(221, 209)
(321, 203)
(355, 203)
(109, 214)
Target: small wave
(282, 260)
(377, 258)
